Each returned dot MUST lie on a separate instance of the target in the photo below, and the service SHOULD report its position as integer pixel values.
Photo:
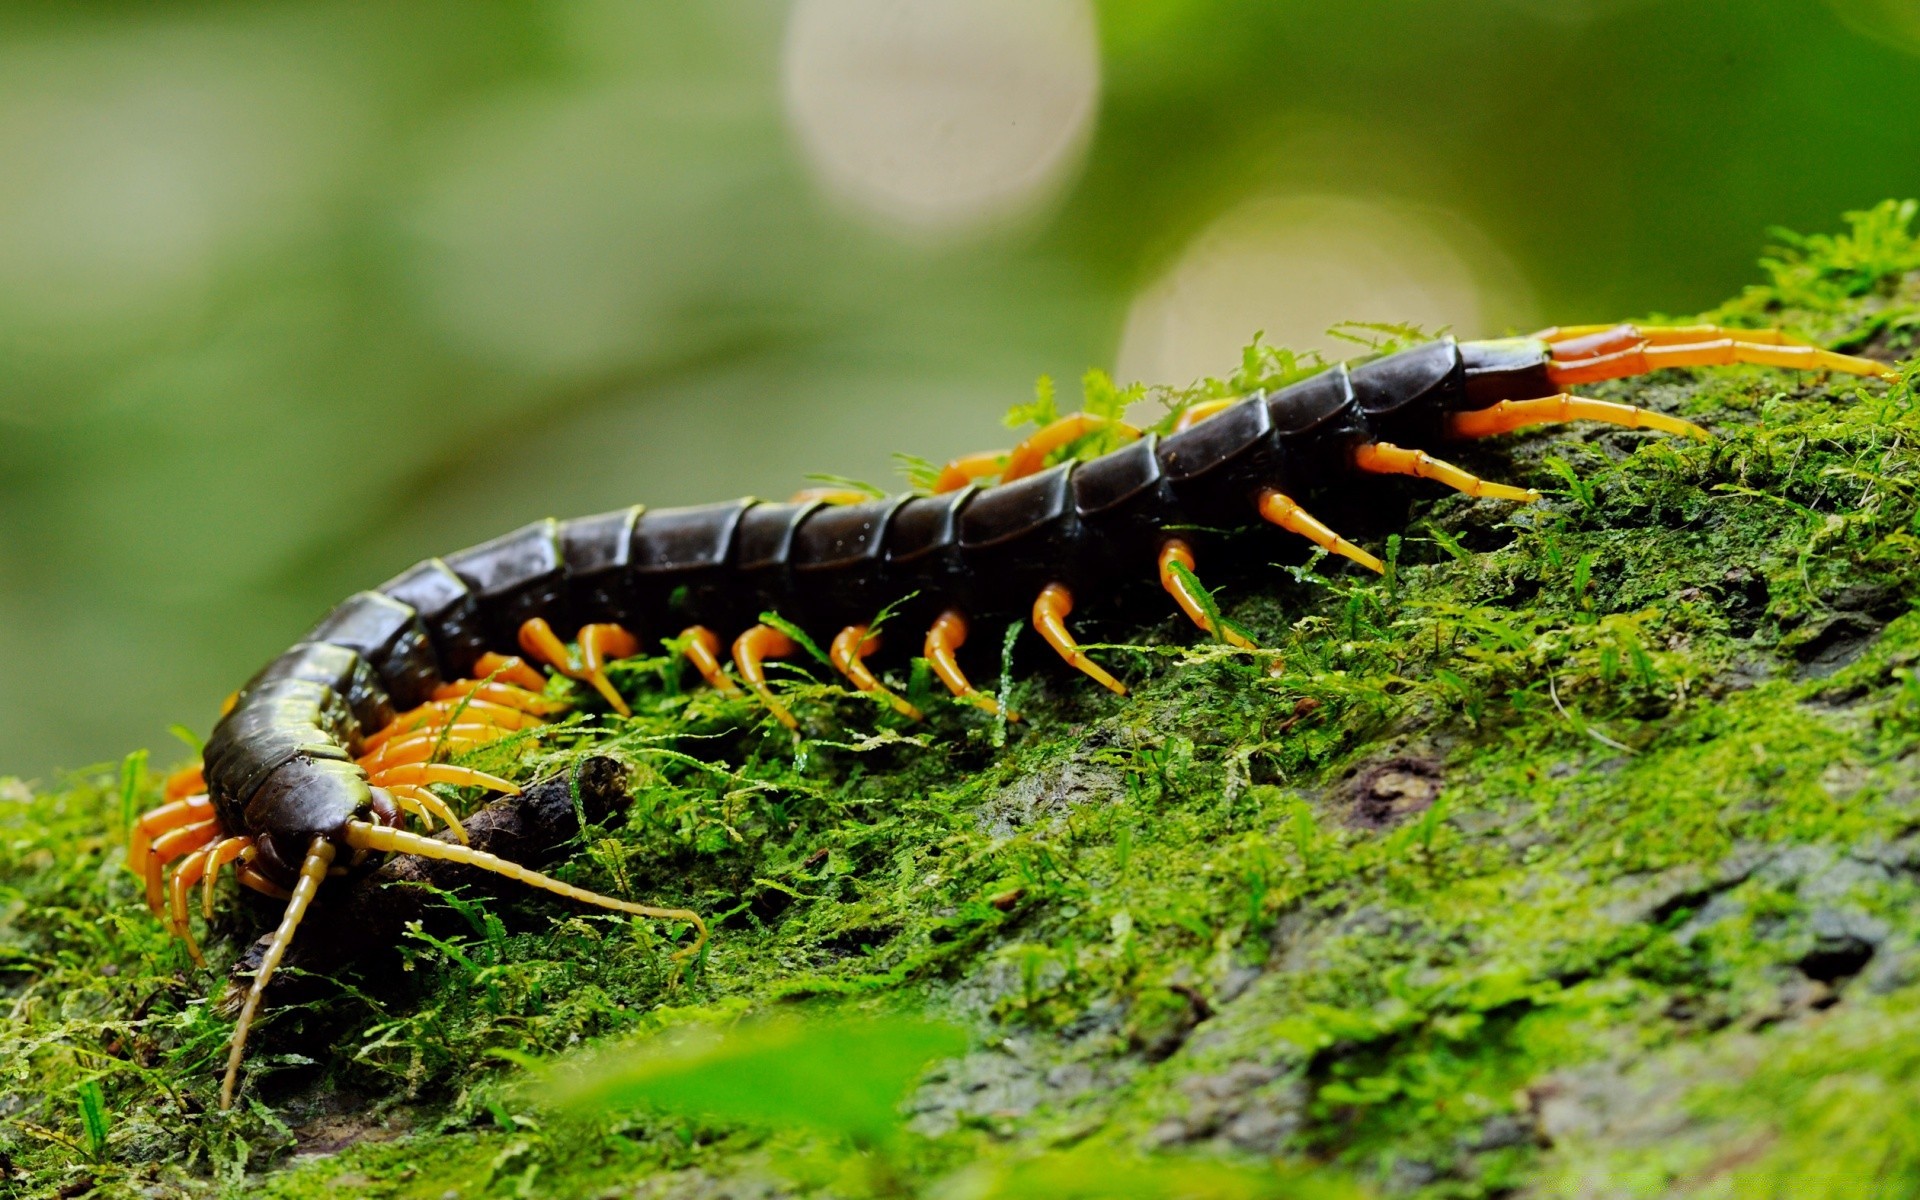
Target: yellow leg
(1050, 612)
(168, 846)
(750, 652)
(944, 639)
(223, 852)
(1379, 458)
(598, 643)
(429, 806)
(419, 773)
(1031, 455)
(1571, 367)
(1509, 415)
(960, 472)
(1202, 411)
(851, 646)
(509, 668)
(192, 869)
(1282, 510)
(1183, 593)
(189, 810)
(1581, 341)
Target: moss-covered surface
(1576, 857)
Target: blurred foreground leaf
(839, 1076)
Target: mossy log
(1579, 856)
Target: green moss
(1577, 848)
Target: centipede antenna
(364, 835)
(1050, 622)
(312, 873)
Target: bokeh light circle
(1291, 267)
(942, 115)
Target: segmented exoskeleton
(327, 751)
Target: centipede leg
(849, 651)
(187, 781)
(218, 856)
(944, 639)
(189, 810)
(313, 872)
(1190, 600)
(1050, 621)
(1509, 415)
(750, 652)
(703, 651)
(960, 472)
(168, 846)
(1381, 458)
(1282, 510)
(599, 644)
(509, 668)
(1031, 455)
(428, 806)
(192, 869)
(1582, 341)
(251, 877)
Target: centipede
(325, 758)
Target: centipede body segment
(329, 751)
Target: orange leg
(1050, 620)
(964, 470)
(1585, 341)
(1379, 458)
(192, 869)
(250, 876)
(703, 651)
(1281, 509)
(504, 694)
(1647, 355)
(1509, 415)
(219, 855)
(750, 652)
(510, 668)
(155, 821)
(849, 652)
(597, 644)
(421, 744)
(418, 773)
(169, 846)
(1031, 455)
(948, 634)
(1202, 411)
(187, 781)
(435, 714)
(1190, 600)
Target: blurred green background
(294, 294)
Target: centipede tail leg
(944, 639)
(313, 872)
(1581, 341)
(1625, 350)
(1282, 510)
(1050, 622)
(750, 652)
(1191, 602)
(1509, 415)
(1382, 458)
(703, 651)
